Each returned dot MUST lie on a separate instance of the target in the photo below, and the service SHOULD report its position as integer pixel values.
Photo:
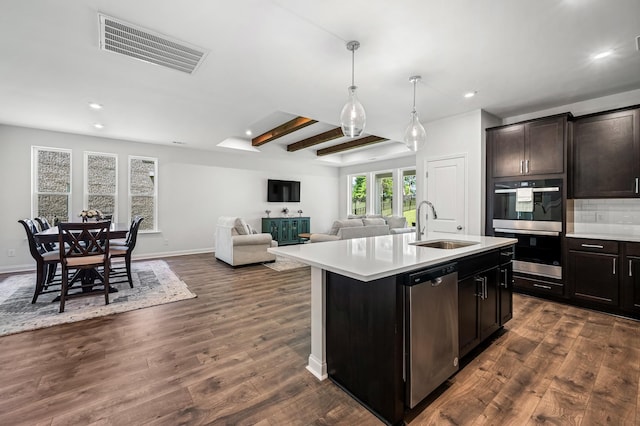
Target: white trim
(367, 177)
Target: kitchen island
(371, 271)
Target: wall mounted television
(283, 191)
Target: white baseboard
(12, 269)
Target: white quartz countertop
(612, 237)
(368, 259)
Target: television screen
(283, 191)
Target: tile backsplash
(607, 216)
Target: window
(384, 193)
(143, 191)
(101, 183)
(51, 190)
(409, 195)
(358, 194)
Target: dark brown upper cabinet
(605, 153)
(533, 148)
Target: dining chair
(118, 249)
(46, 261)
(85, 249)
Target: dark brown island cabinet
(368, 327)
(532, 148)
(605, 155)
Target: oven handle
(546, 189)
(526, 231)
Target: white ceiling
(269, 61)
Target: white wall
(195, 188)
(458, 135)
(619, 100)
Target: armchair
(237, 244)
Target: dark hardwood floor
(236, 355)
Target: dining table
(85, 276)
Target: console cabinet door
(606, 155)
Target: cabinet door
(594, 277)
(488, 319)
(285, 232)
(545, 146)
(506, 293)
(631, 300)
(606, 156)
(468, 304)
(272, 226)
(507, 150)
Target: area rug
(154, 283)
(284, 264)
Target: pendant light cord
(353, 66)
(414, 95)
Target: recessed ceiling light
(94, 105)
(602, 54)
(470, 94)
(98, 126)
(248, 133)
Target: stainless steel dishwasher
(431, 330)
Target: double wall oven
(531, 211)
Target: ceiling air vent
(140, 43)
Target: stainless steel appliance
(431, 335)
(531, 211)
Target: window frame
(376, 199)
(350, 178)
(85, 199)
(35, 150)
(155, 191)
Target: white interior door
(447, 190)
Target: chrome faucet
(419, 231)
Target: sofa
(363, 226)
(238, 244)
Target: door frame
(465, 158)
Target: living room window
(101, 183)
(51, 183)
(383, 193)
(409, 195)
(358, 194)
(143, 191)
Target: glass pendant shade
(415, 136)
(352, 117)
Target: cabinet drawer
(477, 263)
(633, 249)
(597, 246)
(542, 287)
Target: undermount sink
(444, 244)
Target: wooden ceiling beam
(315, 140)
(282, 130)
(369, 140)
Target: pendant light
(415, 136)
(352, 117)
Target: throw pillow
(241, 226)
(347, 223)
(373, 221)
(396, 222)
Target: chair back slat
(133, 232)
(31, 229)
(84, 239)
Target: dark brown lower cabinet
(631, 278)
(594, 271)
(506, 292)
(478, 299)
